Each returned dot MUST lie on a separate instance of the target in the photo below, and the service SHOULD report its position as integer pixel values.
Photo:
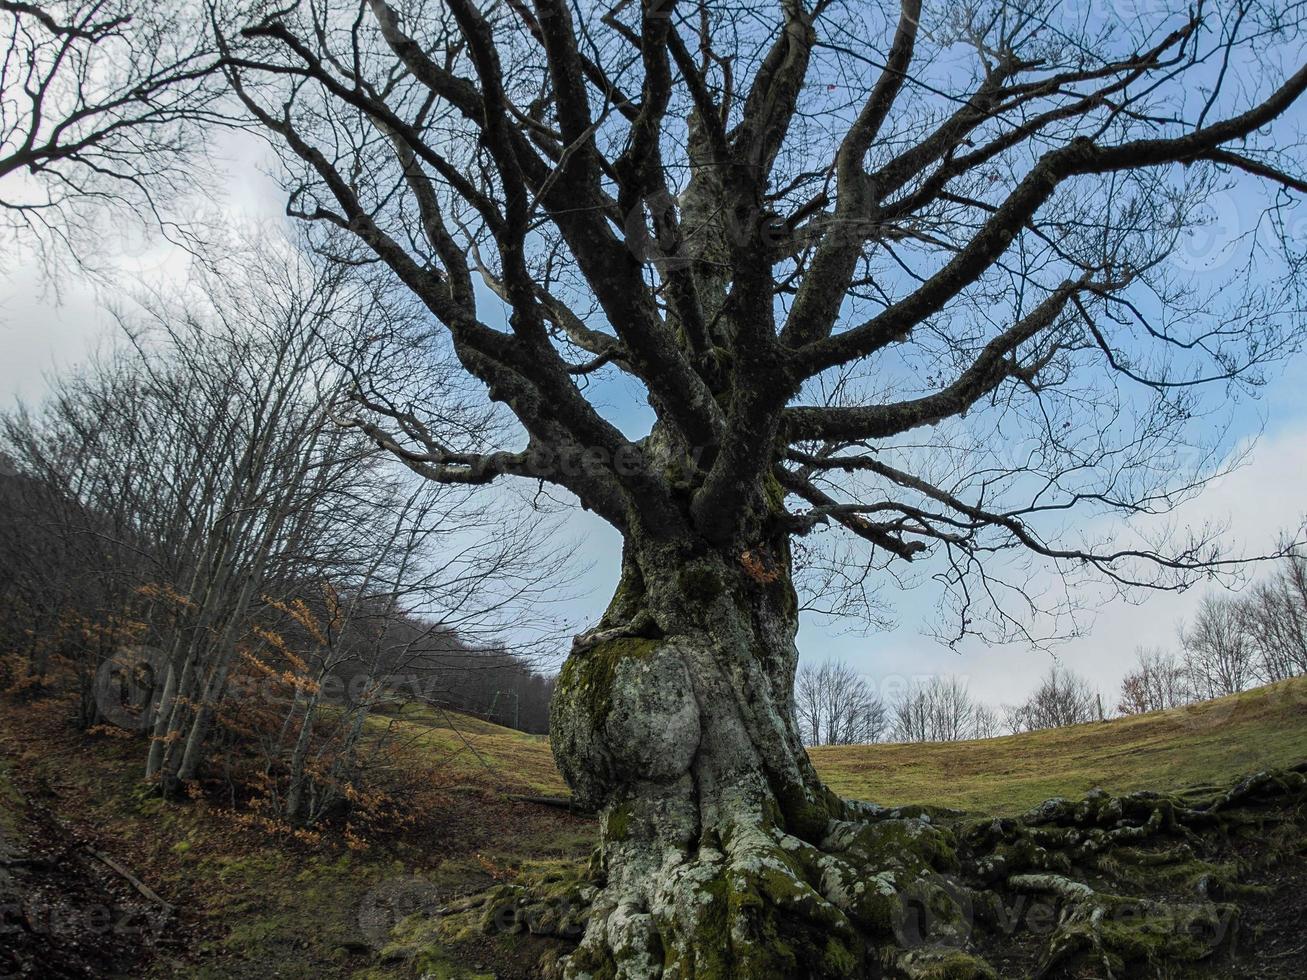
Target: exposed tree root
(1107, 886)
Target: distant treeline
(1235, 641)
(434, 666)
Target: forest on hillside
(191, 549)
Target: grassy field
(250, 905)
(1203, 744)
(1210, 743)
(478, 750)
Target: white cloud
(39, 336)
(49, 325)
(1261, 501)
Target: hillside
(1204, 744)
(249, 904)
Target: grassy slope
(1167, 750)
(1204, 744)
(259, 906)
(479, 750)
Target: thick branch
(987, 371)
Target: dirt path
(64, 914)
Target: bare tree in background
(100, 126)
(195, 490)
(898, 278)
(69, 531)
(940, 709)
(985, 722)
(1158, 681)
(1219, 653)
(1062, 698)
(1275, 616)
(836, 706)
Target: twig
(144, 889)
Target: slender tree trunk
(159, 728)
(199, 730)
(212, 569)
(168, 727)
(295, 789)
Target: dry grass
(1206, 744)
(1210, 743)
(478, 752)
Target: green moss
(709, 949)
(679, 473)
(264, 905)
(803, 816)
(553, 879)
(911, 845)
(701, 581)
(951, 964)
(627, 597)
(549, 898)
(764, 920)
(837, 960)
(788, 930)
(617, 823)
(1183, 876)
(416, 941)
(1129, 931)
(597, 966)
(589, 676)
(773, 493)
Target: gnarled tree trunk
(674, 718)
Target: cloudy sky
(45, 328)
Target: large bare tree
(750, 271)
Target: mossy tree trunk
(674, 718)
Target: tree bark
(674, 719)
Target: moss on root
(803, 814)
(793, 931)
(1141, 885)
(946, 964)
(762, 921)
